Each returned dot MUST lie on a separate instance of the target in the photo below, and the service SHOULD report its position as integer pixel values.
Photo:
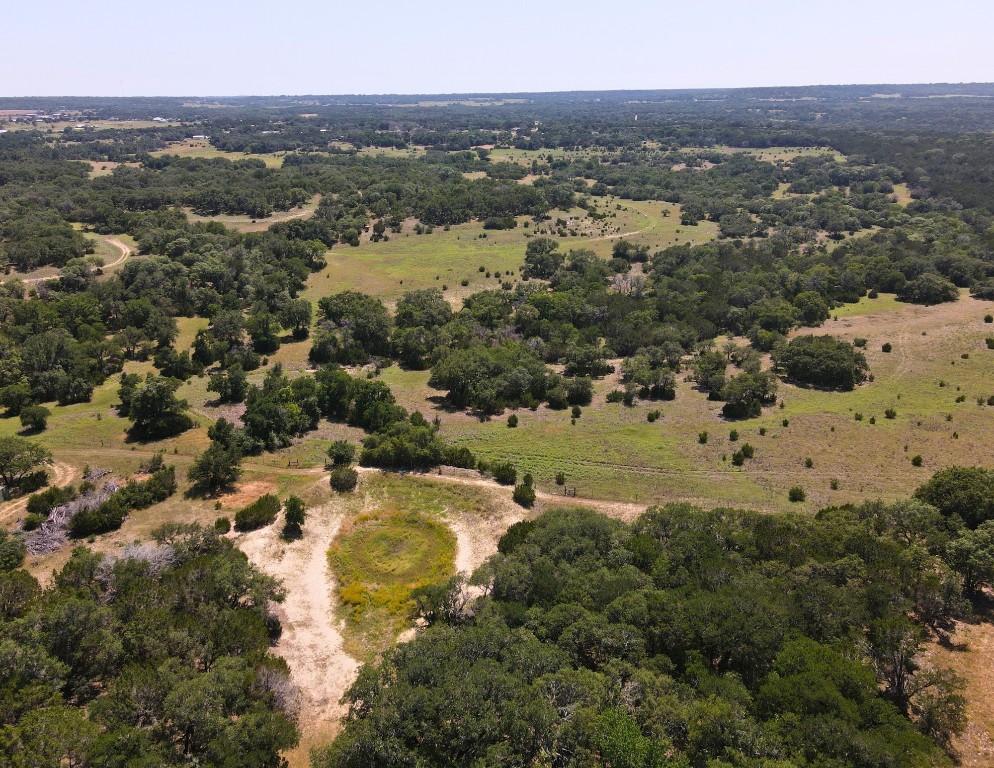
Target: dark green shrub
(341, 452)
(702, 438)
(616, 395)
(859, 342)
(916, 461)
(259, 513)
(524, 495)
(747, 450)
(34, 418)
(512, 421)
(576, 412)
(504, 473)
(344, 479)
(809, 463)
(222, 525)
(890, 413)
(294, 514)
(12, 551)
(886, 347)
(738, 458)
(796, 494)
(733, 435)
(989, 318)
(560, 478)
(44, 502)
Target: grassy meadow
(408, 261)
(613, 452)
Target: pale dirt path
(124, 249)
(311, 642)
(61, 474)
(502, 497)
(627, 234)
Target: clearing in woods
(204, 149)
(613, 452)
(248, 224)
(409, 261)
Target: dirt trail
(61, 474)
(311, 641)
(124, 249)
(628, 234)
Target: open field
(408, 261)
(86, 124)
(613, 452)
(203, 149)
(248, 224)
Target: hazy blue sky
(238, 47)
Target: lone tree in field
(822, 361)
(215, 469)
(18, 457)
(153, 407)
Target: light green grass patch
(203, 149)
(884, 303)
(378, 559)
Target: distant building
(201, 138)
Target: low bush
(524, 495)
(504, 473)
(344, 479)
(796, 494)
(12, 551)
(341, 452)
(259, 513)
(44, 502)
(109, 515)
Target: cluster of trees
(159, 656)
(687, 638)
(109, 512)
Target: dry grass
(203, 149)
(248, 224)
(612, 452)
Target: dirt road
(311, 641)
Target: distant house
(201, 138)
(160, 120)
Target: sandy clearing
(311, 642)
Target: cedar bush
(259, 513)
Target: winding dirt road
(311, 642)
(126, 252)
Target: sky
(288, 47)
